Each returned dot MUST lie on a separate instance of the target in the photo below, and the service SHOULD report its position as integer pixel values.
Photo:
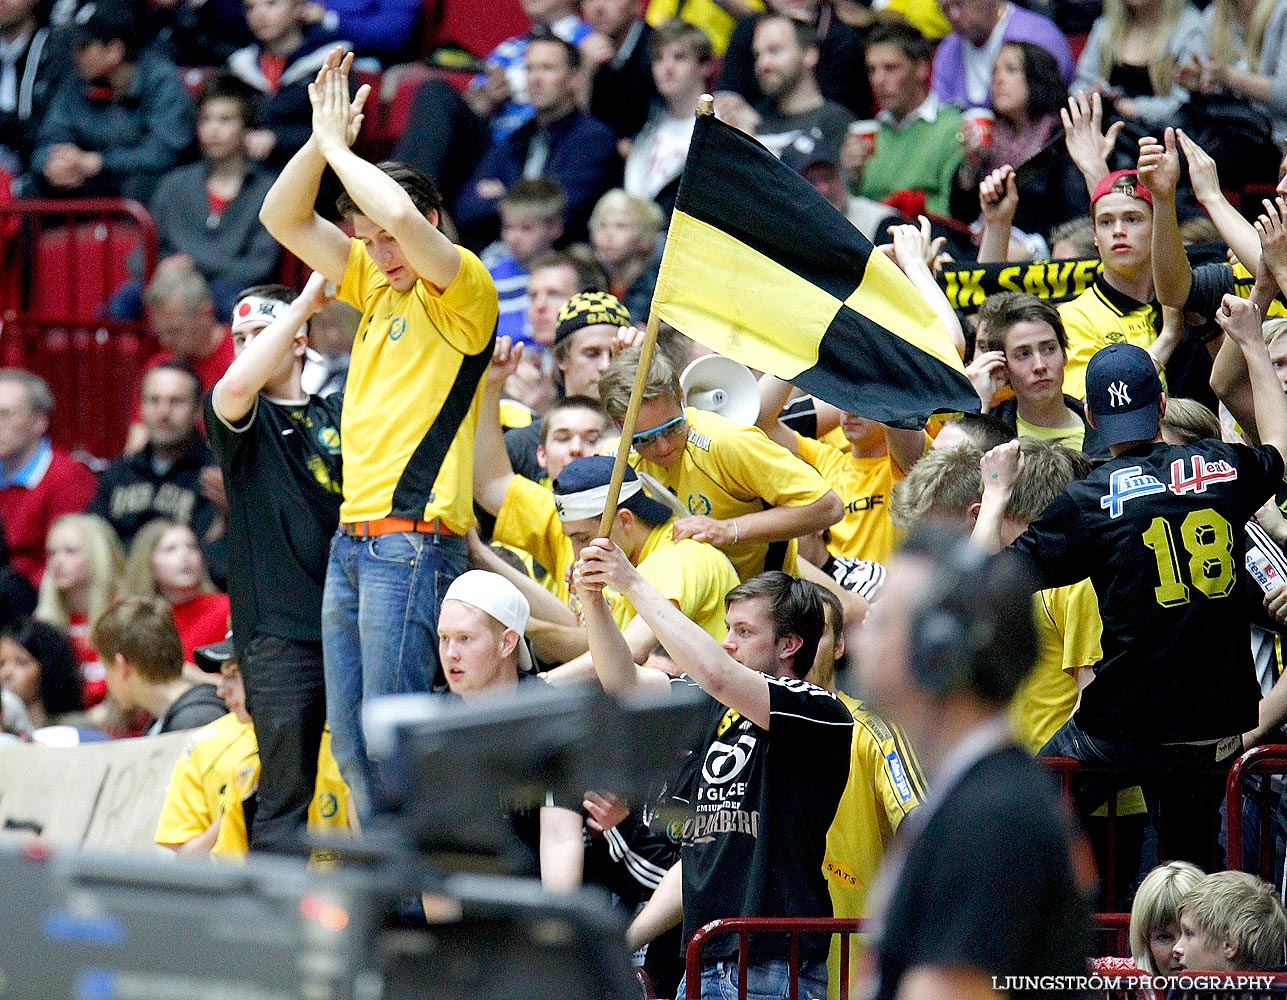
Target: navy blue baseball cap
(1122, 393)
(582, 488)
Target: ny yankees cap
(1122, 392)
(495, 596)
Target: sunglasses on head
(645, 438)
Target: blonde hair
(1190, 420)
(1161, 63)
(618, 380)
(1273, 329)
(646, 216)
(945, 482)
(140, 579)
(105, 559)
(1157, 904)
(1222, 40)
(1243, 910)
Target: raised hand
(999, 196)
(1159, 164)
(1088, 145)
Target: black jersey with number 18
(1159, 531)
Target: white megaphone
(724, 386)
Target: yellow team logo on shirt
(397, 327)
(699, 503)
(329, 438)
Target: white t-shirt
(658, 155)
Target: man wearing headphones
(763, 782)
(980, 882)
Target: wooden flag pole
(705, 106)
(628, 426)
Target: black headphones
(952, 632)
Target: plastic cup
(865, 133)
(979, 122)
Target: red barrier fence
(61, 261)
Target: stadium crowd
(391, 479)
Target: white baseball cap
(494, 595)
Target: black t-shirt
(281, 468)
(989, 883)
(1159, 531)
(762, 802)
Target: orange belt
(394, 525)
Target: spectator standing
(716, 18)
(410, 409)
(745, 494)
(166, 562)
(84, 568)
(764, 780)
(1027, 95)
(560, 142)
(38, 482)
(280, 453)
(119, 122)
(137, 640)
(964, 60)
(278, 65)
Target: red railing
(61, 261)
(743, 927)
(1262, 762)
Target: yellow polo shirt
(1100, 316)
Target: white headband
(255, 307)
(591, 502)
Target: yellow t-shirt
(885, 784)
(1068, 632)
(923, 15)
(329, 810)
(864, 485)
(218, 769)
(1069, 437)
(728, 471)
(705, 14)
(413, 390)
(693, 575)
(1100, 316)
(200, 778)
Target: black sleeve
(224, 437)
(738, 71)
(1054, 546)
(1211, 283)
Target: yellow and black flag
(759, 267)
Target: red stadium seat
(91, 260)
(476, 25)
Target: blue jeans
(380, 633)
(766, 980)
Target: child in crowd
(531, 216)
(165, 561)
(85, 564)
(1231, 921)
(279, 65)
(623, 232)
